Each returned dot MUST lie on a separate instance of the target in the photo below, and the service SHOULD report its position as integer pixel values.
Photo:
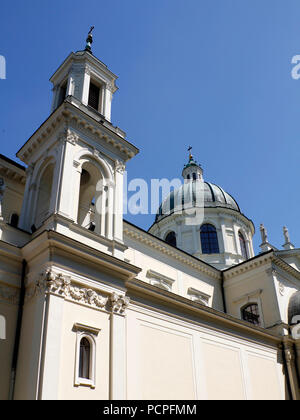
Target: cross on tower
(89, 40)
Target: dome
(196, 194)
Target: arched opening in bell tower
(93, 199)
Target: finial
(89, 40)
(190, 153)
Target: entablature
(68, 115)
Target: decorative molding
(60, 285)
(29, 170)
(85, 328)
(119, 303)
(96, 153)
(120, 167)
(271, 271)
(9, 295)
(68, 136)
(197, 296)
(87, 70)
(111, 87)
(159, 280)
(13, 173)
(68, 112)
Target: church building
(93, 307)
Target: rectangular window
(94, 96)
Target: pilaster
(118, 347)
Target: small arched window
(194, 176)
(250, 313)
(171, 239)
(14, 220)
(209, 239)
(189, 176)
(243, 246)
(84, 358)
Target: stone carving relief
(58, 284)
(120, 167)
(119, 303)
(69, 136)
(61, 285)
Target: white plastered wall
(171, 359)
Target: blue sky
(214, 74)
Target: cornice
(53, 242)
(82, 58)
(258, 261)
(248, 265)
(220, 211)
(182, 304)
(10, 251)
(160, 246)
(70, 114)
(286, 267)
(12, 172)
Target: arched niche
(95, 196)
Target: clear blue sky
(214, 74)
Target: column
(118, 201)
(110, 212)
(107, 102)
(86, 87)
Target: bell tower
(76, 159)
(86, 80)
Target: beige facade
(157, 322)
